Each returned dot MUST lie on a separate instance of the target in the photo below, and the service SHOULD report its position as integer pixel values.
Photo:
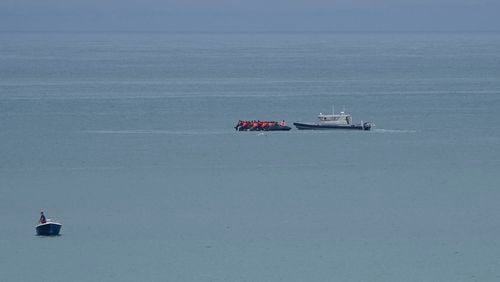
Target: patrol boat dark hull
(48, 229)
(316, 126)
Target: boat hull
(316, 126)
(48, 229)
(271, 128)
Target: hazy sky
(251, 15)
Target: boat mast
(333, 109)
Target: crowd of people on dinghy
(257, 125)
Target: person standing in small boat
(42, 218)
(47, 227)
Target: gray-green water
(127, 139)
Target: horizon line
(248, 31)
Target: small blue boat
(48, 228)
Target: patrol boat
(334, 121)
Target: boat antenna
(333, 109)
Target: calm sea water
(127, 140)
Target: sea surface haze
(127, 139)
